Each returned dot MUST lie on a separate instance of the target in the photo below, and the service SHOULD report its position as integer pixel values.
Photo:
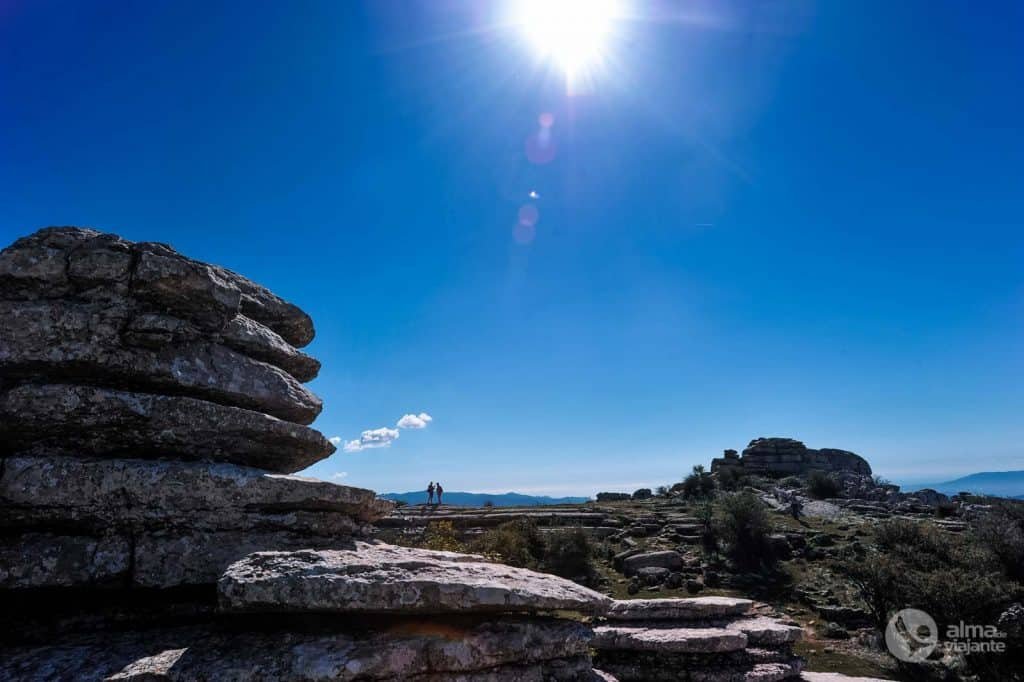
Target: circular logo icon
(911, 635)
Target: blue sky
(796, 219)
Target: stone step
(667, 640)
(687, 609)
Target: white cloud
(340, 476)
(372, 438)
(415, 421)
(335, 440)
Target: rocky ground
(651, 548)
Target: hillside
(1001, 483)
(464, 499)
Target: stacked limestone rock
(151, 407)
(703, 639)
(786, 456)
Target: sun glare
(573, 33)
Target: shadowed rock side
(706, 638)
(151, 407)
(785, 456)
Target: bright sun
(571, 32)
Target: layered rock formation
(151, 413)
(705, 639)
(785, 456)
(140, 392)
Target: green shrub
(698, 485)
(516, 543)
(729, 478)
(742, 524)
(820, 485)
(1001, 531)
(441, 535)
(791, 482)
(953, 577)
(569, 553)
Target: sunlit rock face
(152, 409)
(786, 456)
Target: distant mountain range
(1001, 483)
(462, 499)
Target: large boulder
(667, 559)
(696, 608)
(378, 578)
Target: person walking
(440, 491)
(430, 493)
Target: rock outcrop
(152, 414)
(785, 456)
(711, 639)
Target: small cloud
(372, 438)
(340, 476)
(335, 440)
(415, 421)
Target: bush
(698, 485)
(742, 524)
(729, 478)
(516, 543)
(488, 504)
(791, 482)
(1001, 531)
(820, 485)
(569, 553)
(952, 577)
(662, 491)
(441, 535)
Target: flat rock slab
(767, 632)
(696, 608)
(380, 578)
(836, 677)
(668, 640)
(69, 419)
(51, 490)
(412, 650)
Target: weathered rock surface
(789, 456)
(159, 558)
(667, 559)
(377, 578)
(669, 640)
(76, 420)
(706, 638)
(415, 650)
(109, 494)
(697, 608)
(71, 262)
(83, 343)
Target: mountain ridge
(468, 499)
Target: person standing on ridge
(440, 491)
(430, 493)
